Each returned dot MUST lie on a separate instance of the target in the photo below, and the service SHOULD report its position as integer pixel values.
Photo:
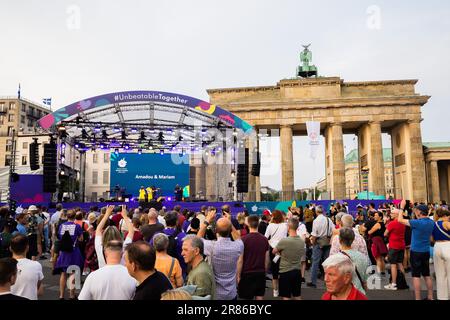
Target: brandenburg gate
(366, 109)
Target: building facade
(18, 116)
(353, 174)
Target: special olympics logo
(122, 163)
(313, 136)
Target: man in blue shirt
(21, 224)
(422, 228)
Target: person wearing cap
(35, 233)
(422, 229)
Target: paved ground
(51, 288)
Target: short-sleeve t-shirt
(163, 264)
(255, 247)
(152, 287)
(421, 232)
(396, 235)
(292, 249)
(28, 274)
(203, 277)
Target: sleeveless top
(442, 234)
(379, 232)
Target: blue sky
(188, 46)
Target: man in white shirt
(111, 282)
(29, 276)
(320, 238)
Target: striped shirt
(224, 254)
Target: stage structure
(137, 122)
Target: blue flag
(18, 92)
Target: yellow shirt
(150, 193)
(141, 194)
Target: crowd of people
(145, 254)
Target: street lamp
(365, 176)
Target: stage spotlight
(169, 198)
(63, 146)
(133, 130)
(161, 152)
(116, 129)
(116, 151)
(77, 145)
(63, 159)
(183, 152)
(139, 151)
(150, 145)
(127, 146)
(97, 129)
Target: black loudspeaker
(34, 155)
(50, 167)
(242, 171)
(256, 167)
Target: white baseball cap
(32, 208)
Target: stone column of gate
(287, 162)
(376, 169)
(337, 159)
(210, 177)
(417, 161)
(434, 177)
(199, 179)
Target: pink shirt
(359, 244)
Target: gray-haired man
(201, 273)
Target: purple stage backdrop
(236, 207)
(29, 190)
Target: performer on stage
(150, 191)
(142, 194)
(178, 193)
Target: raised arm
(210, 216)
(128, 222)
(400, 217)
(236, 234)
(105, 218)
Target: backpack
(82, 244)
(91, 259)
(66, 242)
(172, 247)
(401, 281)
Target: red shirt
(137, 236)
(116, 219)
(396, 235)
(354, 294)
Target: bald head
(223, 227)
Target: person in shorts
(422, 228)
(395, 231)
(254, 262)
(291, 250)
